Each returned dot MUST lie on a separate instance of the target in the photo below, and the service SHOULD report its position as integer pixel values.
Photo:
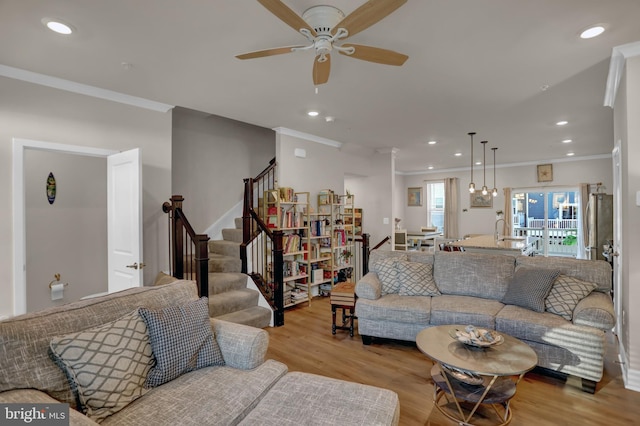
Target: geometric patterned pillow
(107, 365)
(387, 274)
(529, 288)
(565, 295)
(416, 279)
(181, 340)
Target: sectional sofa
(109, 359)
(561, 307)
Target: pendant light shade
(485, 190)
(494, 191)
(472, 186)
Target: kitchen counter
(507, 245)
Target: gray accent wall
(211, 156)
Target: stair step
(230, 234)
(256, 316)
(221, 263)
(227, 248)
(231, 301)
(238, 222)
(219, 282)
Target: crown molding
(307, 136)
(619, 56)
(507, 165)
(81, 89)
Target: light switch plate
(385, 221)
(638, 198)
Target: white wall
(367, 174)
(211, 157)
(40, 113)
(80, 256)
(482, 220)
(627, 130)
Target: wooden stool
(343, 297)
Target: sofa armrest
(595, 310)
(38, 397)
(369, 287)
(242, 346)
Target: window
(435, 204)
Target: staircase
(229, 297)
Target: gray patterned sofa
(107, 356)
(561, 307)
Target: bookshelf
(355, 215)
(332, 225)
(288, 211)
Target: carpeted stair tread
(222, 263)
(219, 282)
(256, 316)
(238, 222)
(231, 301)
(226, 248)
(230, 234)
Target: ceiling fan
(323, 26)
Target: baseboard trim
(630, 376)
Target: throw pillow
(416, 279)
(181, 340)
(529, 288)
(107, 365)
(565, 294)
(387, 274)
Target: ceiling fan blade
(286, 15)
(321, 71)
(267, 52)
(375, 54)
(368, 14)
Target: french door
(553, 216)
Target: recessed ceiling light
(567, 141)
(329, 119)
(313, 113)
(430, 167)
(458, 154)
(432, 142)
(562, 123)
(58, 26)
(592, 32)
(570, 154)
(478, 163)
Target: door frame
(19, 208)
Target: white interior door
(124, 220)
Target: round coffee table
(474, 375)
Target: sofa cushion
(565, 294)
(473, 274)
(416, 279)
(309, 399)
(451, 309)
(106, 365)
(19, 396)
(396, 308)
(387, 274)
(529, 288)
(218, 395)
(25, 339)
(594, 271)
(181, 340)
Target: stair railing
(361, 256)
(188, 251)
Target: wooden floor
(305, 343)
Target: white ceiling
(474, 65)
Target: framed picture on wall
(414, 196)
(479, 200)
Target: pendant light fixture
(494, 191)
(485, 190)
(472, 186)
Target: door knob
(134, 266)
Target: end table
(343, 297)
